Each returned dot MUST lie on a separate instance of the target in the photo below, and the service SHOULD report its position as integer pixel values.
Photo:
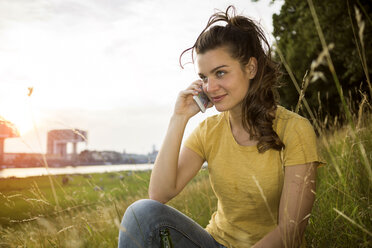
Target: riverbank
(70, 170)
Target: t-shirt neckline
(231, 136)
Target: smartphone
(202, 101)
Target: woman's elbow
(153, 195)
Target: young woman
(261, 157)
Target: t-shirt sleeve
(194, 141)
(301, 144)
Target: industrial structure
(7, 130)
(59, 138)
(60, 154)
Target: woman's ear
(251, 67)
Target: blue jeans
(143, 219)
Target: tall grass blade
(331, 67)
(353, 222)
(360, 48)
(310, 112)
(264, 198)
(43, 155)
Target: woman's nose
(211, 86)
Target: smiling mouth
(218, 98)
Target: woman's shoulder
(213, 125)
(214, 120)
(286, 120)
(283, 114)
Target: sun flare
(20, 118)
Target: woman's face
(225, 81)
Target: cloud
(110, 67)
(45, 10)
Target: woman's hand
(185, 104)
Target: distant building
(105, 157)
(59, 138)
(23, 160)
(7, 130)
(131, 158)
(152, 156)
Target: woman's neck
(241, 136)
(235, 117)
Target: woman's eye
(220, 73)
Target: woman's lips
(218, 98)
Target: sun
(24, 126)
(16, 107)
(20, 117)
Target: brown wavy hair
(245, 39)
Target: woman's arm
(296, 202)
(174, 169)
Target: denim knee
(142, 211)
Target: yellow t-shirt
(238, 174)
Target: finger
(198, 82)
(189, 92)
(194, 87)
(198, 88)
(195, 84)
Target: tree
(298, 41)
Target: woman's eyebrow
(218, 67)
(214, 69)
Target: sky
(109, 67)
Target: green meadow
(86, 210)
(26, 198)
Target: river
(40, 171)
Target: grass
(89, 205)
(341, 216)
(90, 208)
(25, 198)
